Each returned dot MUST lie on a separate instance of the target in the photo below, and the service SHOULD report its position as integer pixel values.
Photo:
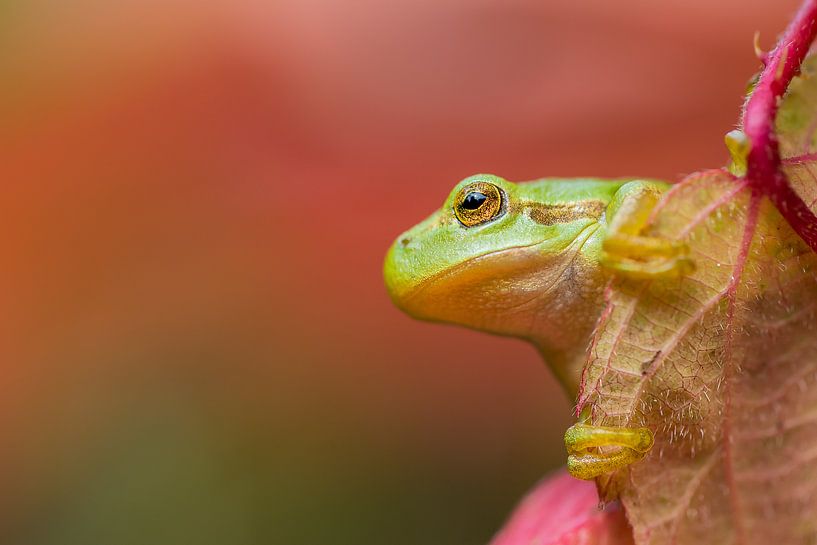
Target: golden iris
(478, 203)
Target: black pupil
(473, 200)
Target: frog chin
(501, 292)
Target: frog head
(507, 258)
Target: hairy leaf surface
(721, 364)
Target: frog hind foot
(627, 446)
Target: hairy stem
(763, 162)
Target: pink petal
(562, 510)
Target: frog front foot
(628, 250)
(638, 256)
(586, 461)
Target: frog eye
(478, 203)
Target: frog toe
(597, 450)
(590, 465)
(647, 257)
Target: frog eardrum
(479, 203)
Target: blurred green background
(195, 202)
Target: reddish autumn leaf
(564, 511)
(722, 363)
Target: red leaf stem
(763, 162)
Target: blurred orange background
(196, 344)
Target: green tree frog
(531, 260)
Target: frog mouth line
(423, 284)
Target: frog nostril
(405, 241)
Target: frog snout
(413, 258)
(395, 269)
